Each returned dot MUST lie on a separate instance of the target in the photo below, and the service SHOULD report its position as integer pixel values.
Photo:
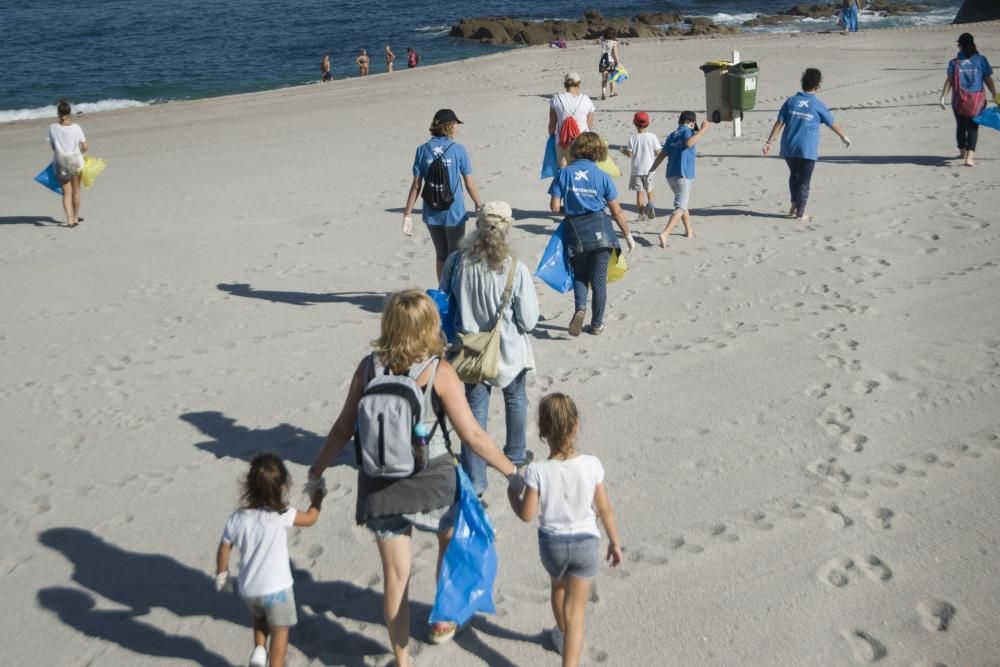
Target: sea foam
(83, 107)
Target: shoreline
(744, 32)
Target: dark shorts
(446, 239)
(569, 555)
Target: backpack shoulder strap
(507, 290)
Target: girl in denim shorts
(259, 530)
(567, 493)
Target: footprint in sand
(833, 361)
(928, 663)
(829, 469)
(615, 399)
(880, 517)
(834, 419)
(836, 572)
(818, 390)
(874, 568)
(935, 615)
(853, 442)
(864, 387)
(836, 518)
(864, 647)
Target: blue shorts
(569, 555)
(278, 609)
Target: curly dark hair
(811, 79)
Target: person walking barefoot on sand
(798, 121)
(564, 493)
(362, 60)
(68, 146)
(679, 152)
(609, 60)
(390, 58)
(324, 69)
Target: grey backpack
(390, 435)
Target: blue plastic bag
(469, 568)
(550, 165)
(47, 177)
(447, 308)
(989, 117)
(554, 269)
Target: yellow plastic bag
(608, 166)
(617, 266)
(92, 168)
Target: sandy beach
(799, 423)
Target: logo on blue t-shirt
(581, 175)
(804, 103)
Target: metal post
(737, 121)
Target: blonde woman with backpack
(570, 114)
(391, 508)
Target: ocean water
(107, 54)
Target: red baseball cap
(640, 119)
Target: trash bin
(717, 107)
(742, 78)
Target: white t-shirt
(566, 494)
(644, 147)
(66, 138)
(566, 105)
(262, 540)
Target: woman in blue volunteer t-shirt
(974, 72)
(446, 227)
(799, 120)
(581, 191)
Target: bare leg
(688, 229)
(558, 600)
(76, 198)
(970, 160)
(67, 187)
(444, 537)
(574, 615)
(675, 217)
(259, 631)
(604, 84)
(279, 646)
(396, 556)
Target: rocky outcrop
(507, 30)
(978, 10)
(830, 9)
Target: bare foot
(663, 240)
(969, 163)
(689, 235)
(805, 219)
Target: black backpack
(437, 185)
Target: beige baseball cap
(495, 214)
(572, 76)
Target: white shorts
(640, 183)
(682, 190)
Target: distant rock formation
(978, 10)
(829, 9)
(507, 30)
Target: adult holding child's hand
(408, 353)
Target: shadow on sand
(370, 302)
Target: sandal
(442, 632)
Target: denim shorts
(432, 521)
(569, 555)
(278, 609)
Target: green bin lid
(745, 66)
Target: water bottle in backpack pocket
(391, 437)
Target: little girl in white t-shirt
(259, 530)
(564, 492)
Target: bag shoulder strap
(507, 290)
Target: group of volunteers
(363, 61)
(491, 290)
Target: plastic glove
(221, 581)
(408, 225)
(630, 242)
(315, 485)
(516, 482)
(847, 141)
(942, 101)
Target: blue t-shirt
(583, 188)
(971, 72)
(458, 163)
(680, 158)
(802, 115)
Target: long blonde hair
(411, 331)
(487, 244)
